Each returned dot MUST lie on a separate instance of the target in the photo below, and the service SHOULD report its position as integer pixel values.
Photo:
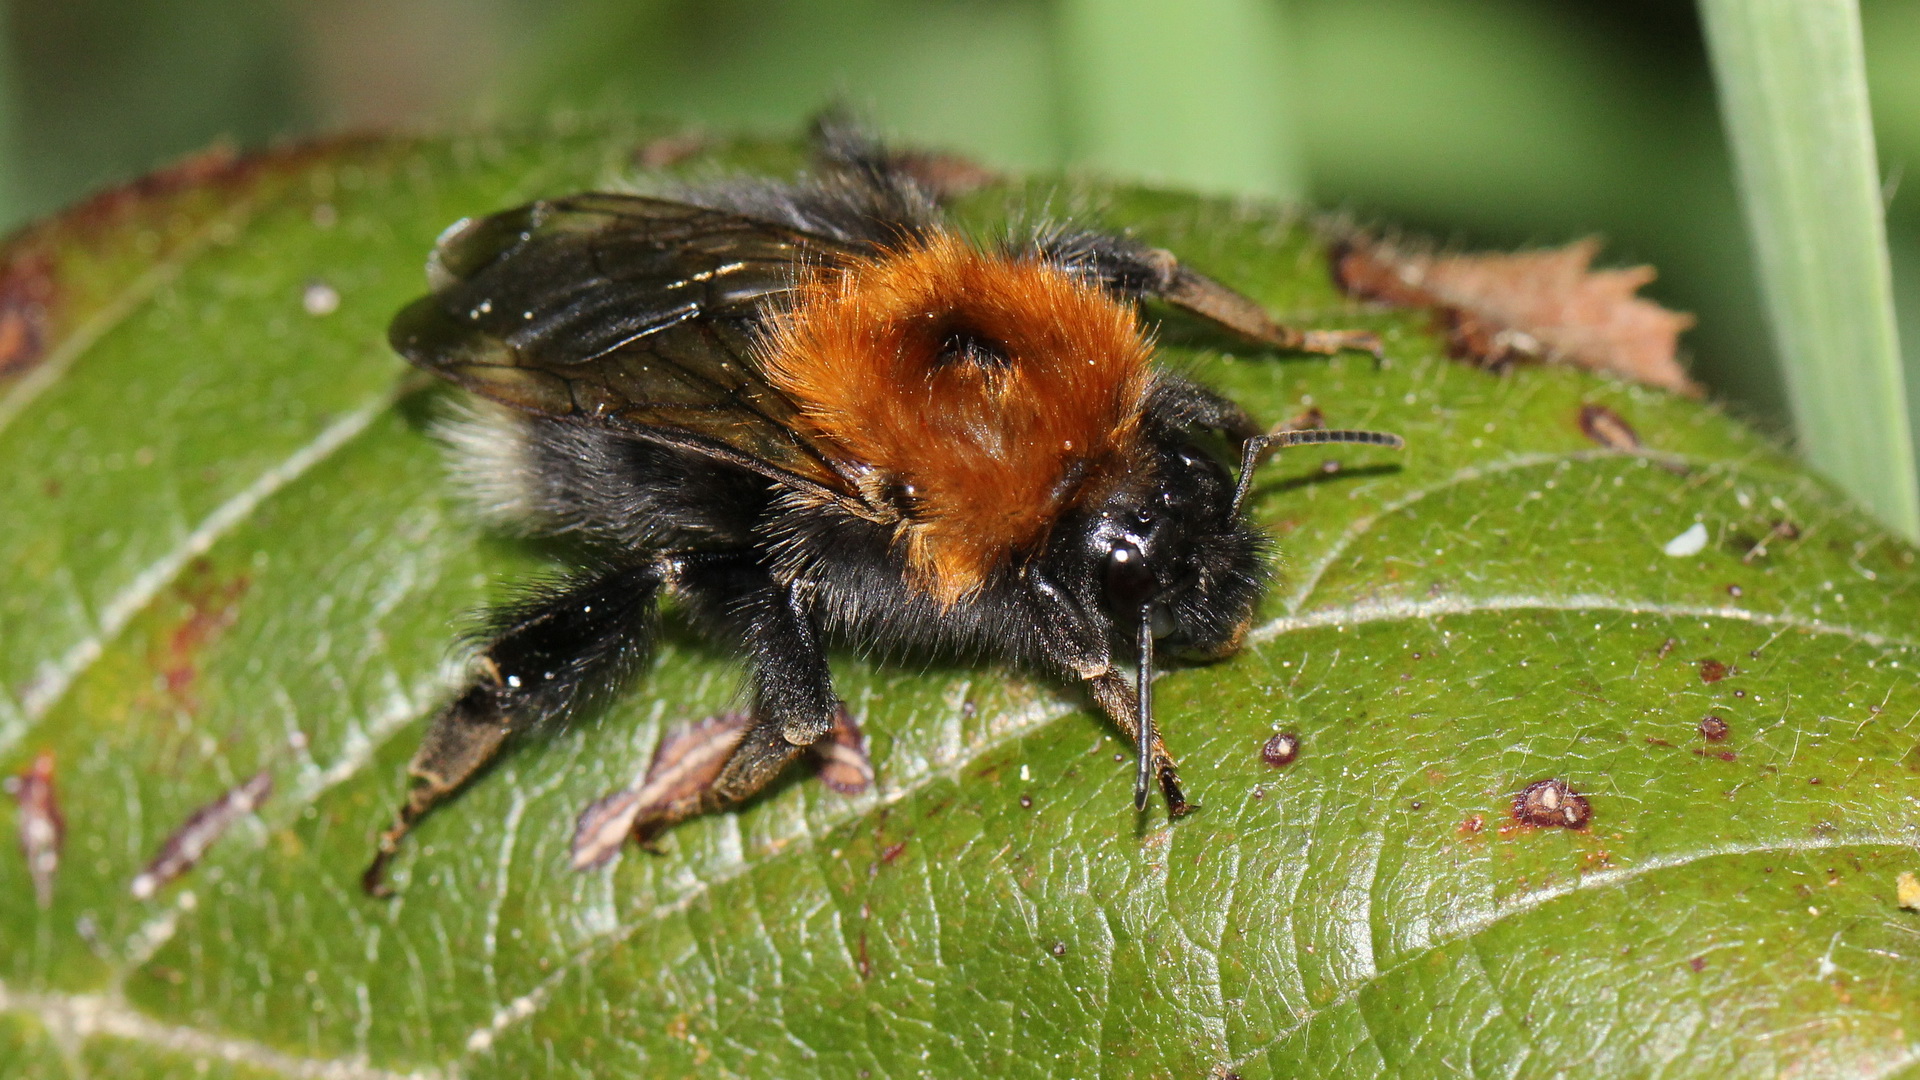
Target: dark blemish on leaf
(1665, 648)
(1473, 824)
(1735, 591)
(1119, 757)
(684, 765)
(1552, 803)
(41, 828)
(1712, 671)
(1309, 419)
(1723, 755)
(1026, 802)
(1780, 530)
(1657, 742)
(1416, 804)
(28, 290)
(1713, 729)
(1606, 427)
(1281, 749)
(862, 960)
(1698, 964)
(212, 606)
(842, 756)
(1330, 466)
(185, 846)
(1059, 948)
(1815, 781)
(892, 852)
(1739, 693)
(669, 150)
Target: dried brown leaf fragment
(186, 844)
(41, 828)
(1531, 306)
(684, 766)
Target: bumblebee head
(1170, 551)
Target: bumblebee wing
(635, 312)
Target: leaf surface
(229, 546)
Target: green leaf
(228, 547)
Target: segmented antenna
(1255, 448)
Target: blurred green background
(1479, 122)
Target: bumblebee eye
(1129, 583)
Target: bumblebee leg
(550, 653)
(1115, 696)
(793, 701)
(1190, 405)
(1134, 271)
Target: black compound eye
(1129, 582)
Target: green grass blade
(1188, 93)
(1793, 92)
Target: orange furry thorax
(978, 394)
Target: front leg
(794, 705)
(1071, 647)
(1132, 270)
(1115, 696)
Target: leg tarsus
(552, 652)
(1115, 696)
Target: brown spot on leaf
(1698, 964)
(211, 606)
(1665, 648)
(684, 766)
(1308, 419)
(1712, 671)
(41, 828)
(1059, 948)
(1280, 750)
(186, 844)
(27, 294)
(1552, 803)
(1501, 309)
(1780, 530)
(1713, 729)
(1608, 428)
(1472, 825)
(892, 852)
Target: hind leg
(549, 655)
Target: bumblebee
(814, 413)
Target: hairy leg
(793, 701)
(546, 656)
(1131, 269)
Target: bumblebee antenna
(1144, 720)
(1256, 449)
